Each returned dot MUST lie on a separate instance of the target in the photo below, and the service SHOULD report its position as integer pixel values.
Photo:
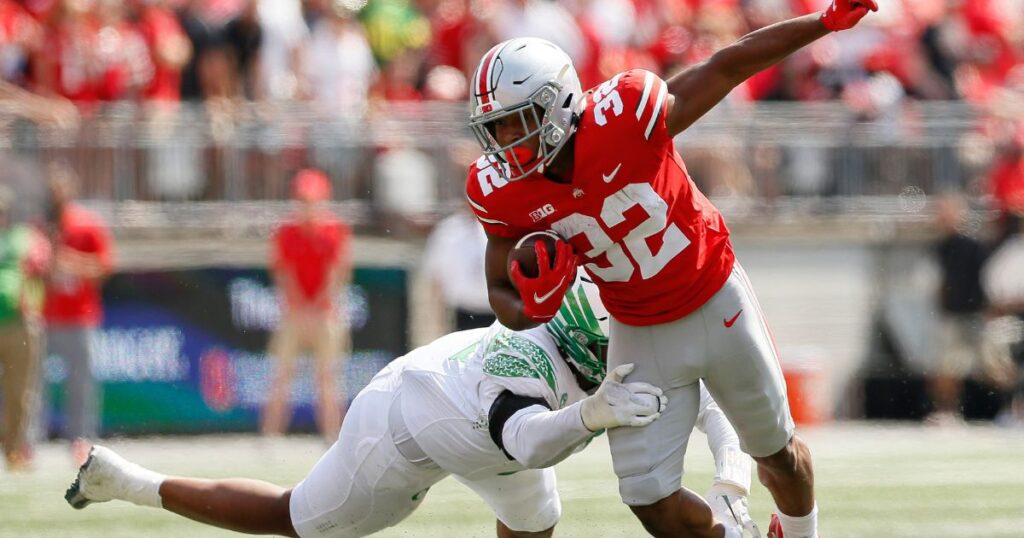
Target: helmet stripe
(484, 75)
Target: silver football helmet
(581, 329)
(528, 80)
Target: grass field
(872, 481)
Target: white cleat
(730, 507)
(103, 476)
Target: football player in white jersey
(492, 407)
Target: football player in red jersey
(600, 168)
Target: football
(525, 253)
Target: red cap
(311, 185)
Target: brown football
(524, 252)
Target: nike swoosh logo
(729, 322)
(609, 177)
(541, 298)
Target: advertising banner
(185, 351)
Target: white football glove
(622, 404)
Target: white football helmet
(518, 79)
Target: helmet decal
(486, 76)
(580, 328)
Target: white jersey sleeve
(538, 438)
(528, 364)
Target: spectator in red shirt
(83, 257)
(169, 48)
(310, 264)
(20, 34)
(1006, 184)
(69, 65)
(1008, 176)
(124, 59)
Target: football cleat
(103, 476)
(775, 527)
(731, 509)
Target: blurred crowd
(280, 85)
(271, 76)
(342, 53)
(980, 307)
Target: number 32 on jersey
(620, 268)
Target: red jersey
(654, 245)
(1007, 184)
(158, 26)
(308, 253)
(70, 300)
(71, 61)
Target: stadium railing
(150, 162)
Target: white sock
(143, 486)
(800, 527)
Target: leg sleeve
(732, 466)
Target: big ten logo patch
(538, 214)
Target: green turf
(872, 481)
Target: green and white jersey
(526, 363)
(448, 387)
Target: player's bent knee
(533, 519)
(542, 522)
(674, 514)
(788, 460)
(651, 514)
(647, 489)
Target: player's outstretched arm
(535, 436)
(697, 89)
